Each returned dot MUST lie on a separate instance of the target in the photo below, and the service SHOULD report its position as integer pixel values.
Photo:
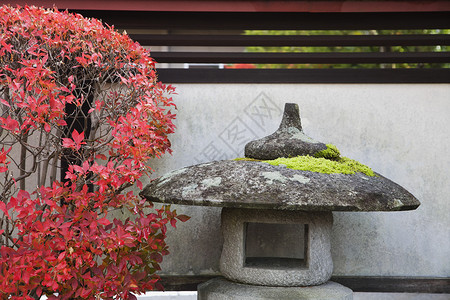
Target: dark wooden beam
(395, 284)
(245, 5)
(270, 20)
(304, 75)
(183, 283)
(302, 57)
(291, 40)
(356, 283)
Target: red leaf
(61, 122)
(156, 257)
(39, 291)
(4, 102)
(131, 296)
(139, 184)
(68, 143)
(78, 137)
(26, 277)
(101, 156)
(75, 142)
(85, 167)
(85, 293)
(183, 218)
(23, 194)
(9, 123)
(78, 169)
(6, 46)
(104, 221)
(3, 208)
(61, 256)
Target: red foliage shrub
(83, 100)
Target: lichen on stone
(272, 176)
(300, 178)
(163, 179)
(189, 189)
(295, 133)
(210, 182)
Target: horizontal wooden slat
(291, 40)
(252, 5)
(356, 283)
(394, 284)
(274, 21)
(302, 57)
(304, 75)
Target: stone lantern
(276, 220)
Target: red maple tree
(82, 100)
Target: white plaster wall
(400, 130)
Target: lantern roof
(263, 185)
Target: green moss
(342, 165)
(331, 152)
(326, 161)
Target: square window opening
(272, 245)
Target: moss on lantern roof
(331, 152)
(343, 165)
(327, 161)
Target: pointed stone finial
(291, 117)
(288, 141)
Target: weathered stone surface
(251, 184)
(222, 289)
(315, 270)
(288, 141)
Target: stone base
(222, 289)
(317, 265)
